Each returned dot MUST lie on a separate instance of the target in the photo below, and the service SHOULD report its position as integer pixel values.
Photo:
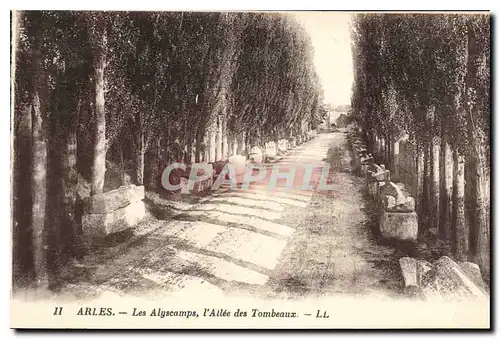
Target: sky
(331, 40)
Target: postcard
(257, 170)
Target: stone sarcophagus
(359, 149)
(398, 218)
(376, 175)
(195, 178)
(443, 279)
(365, 161)
(199, 179)
(271, 150)
(112, 211)
(360, 154)
(282, 146)
(256, 155)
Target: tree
(428, 77)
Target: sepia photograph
(250, 169)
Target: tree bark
(242, 143)
(419, 164)
(198, 149)
(234, 145)
(446, 186)
(459, 225)
(122, 164)
(189, 151)
(99, 163)
(218, 139)
(382, 150)
(70, 179)
(225, 143)
(140, 149)
(434, 184)
(480, 210)
(39, 193)
(395, 159)
(154, 155)
(211, 143)
(426, 189)
(470, 201)
(22, 252)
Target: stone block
(423, 267)
(389, 203)
(473, 272)
(398, 225)
(372, 188)
(283, 145)
(447, 280)
(99, 225)
(443, 279)
(400, 195)
(363, 169)
(271, 149)
(366, 159)
(409, 271)
(395, 189)
(239, 163)
(365, 163)
(377, 173)
(110, 201)
(256, 155)
(380, 187)
(190, 186)
(357, 143)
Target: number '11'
(58, 311)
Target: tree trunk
(198, 148)
(426, 189)
(420, 157)
(189, 151)
(99, 165)
(211, 144)
(234, 145)
(395, 159)
(39, 193)
(218, 139)
(446, 186)
(242, 143)
(387, 152)
(460, 227)
(470, 202)
(122, 164)
(434, 184)
(70, 180)
(154, 162)
(382, 150)
(225, 144)
(22, 255)
(479, 185)
(139, 164)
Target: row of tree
(427, 78)
(136, 90)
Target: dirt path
(333, 249)
(273, 243)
